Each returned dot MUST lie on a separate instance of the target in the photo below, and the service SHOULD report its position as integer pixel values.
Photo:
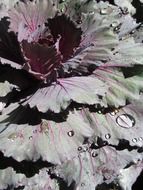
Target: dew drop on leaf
(30, 138)
(134, 140)
(114, 24)
(12, 136)
(70, 133)
(140, 138)
(117, 28)
(94, 154)
(108, 136)
(132, 32)
(113, 113)
(79, 148)
(82, 184)
(103, 11)
(79, 21)
(99, 112)
(125, 121)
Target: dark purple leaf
(41, 59)
(9, 46)
(67, 33)
(16, 77)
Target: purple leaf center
(67, 33)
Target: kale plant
(71, 103)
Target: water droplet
(30, 138)
(113, 113)
(132, 32)
(125, 121)
(114, 24)
(108, 136)
(91, 12)
(58, 175)
(103, 11)
(70, 133)
(62, 10)
(82, 184)
(134, 140)
(117, 28)
(140, 138)
(12, 136)
(80, 148)
(94, 154)
(79, 21)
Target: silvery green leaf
(118, 124)
(8, 177)
(126, 4)
(30, 26)
(4, 61)
(84, 90)
(94, 167)
(138, 35)
(120, 88)
(5, 88)
(40, 181)
(129, 26)
(53, 142)
(128, 176)
(128, 52)
(5, 6)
